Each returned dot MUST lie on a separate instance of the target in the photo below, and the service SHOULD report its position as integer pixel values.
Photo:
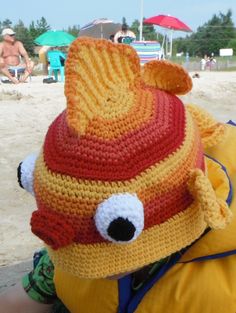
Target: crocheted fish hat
(120, 180)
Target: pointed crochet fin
(216, 211)
(211, 131)
(167, 76)
(100, 80)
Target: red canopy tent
(169, 22)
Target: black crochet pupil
(121, 229)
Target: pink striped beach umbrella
(100, 28)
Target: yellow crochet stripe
(100, 78)
(139, 114)
(211, 131)
(216, 211)
(67, 194)
(106, 259)
(167, 76)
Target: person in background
(203, 63)
(11, 52)
(43, 58)
(123, 33)
(212, 61)
(111, 38)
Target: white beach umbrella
(100, 28)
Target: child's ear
(167, 76)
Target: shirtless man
(11, 52)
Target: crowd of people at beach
(16, 64)
(208, 62)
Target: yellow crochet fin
(100, 80)
(167, 76)
(211, 131)
(216, 211)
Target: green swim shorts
(39, 283)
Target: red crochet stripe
(54, 225)
(176, 201)
(93, 158)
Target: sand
(26, 112)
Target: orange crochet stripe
(73, 190)
(70, 197)
(121, 145)
(154, 244)
(137, 116)
(119, 159)
(117, 72)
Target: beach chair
(54, 58)
(17, 71)
(147, 50)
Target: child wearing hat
(134, 194)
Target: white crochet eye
(120, 218)
(26, 173)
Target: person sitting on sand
(11, 51)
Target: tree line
(219, 32)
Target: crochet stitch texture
(124, 132)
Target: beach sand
(26, 112)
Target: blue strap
(211, 257)
(230, 194)
(127, 303)
(125, 292)
(230, 122)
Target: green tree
(182, 45)
(124, 20)
(33, 30)
(135, 28)
(23, 34)
(38, 28)
(149, 32)
(74, 30)
(212, 36)
(232, 44)
(42, 25)
(5, 24)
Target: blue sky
(61, 14)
